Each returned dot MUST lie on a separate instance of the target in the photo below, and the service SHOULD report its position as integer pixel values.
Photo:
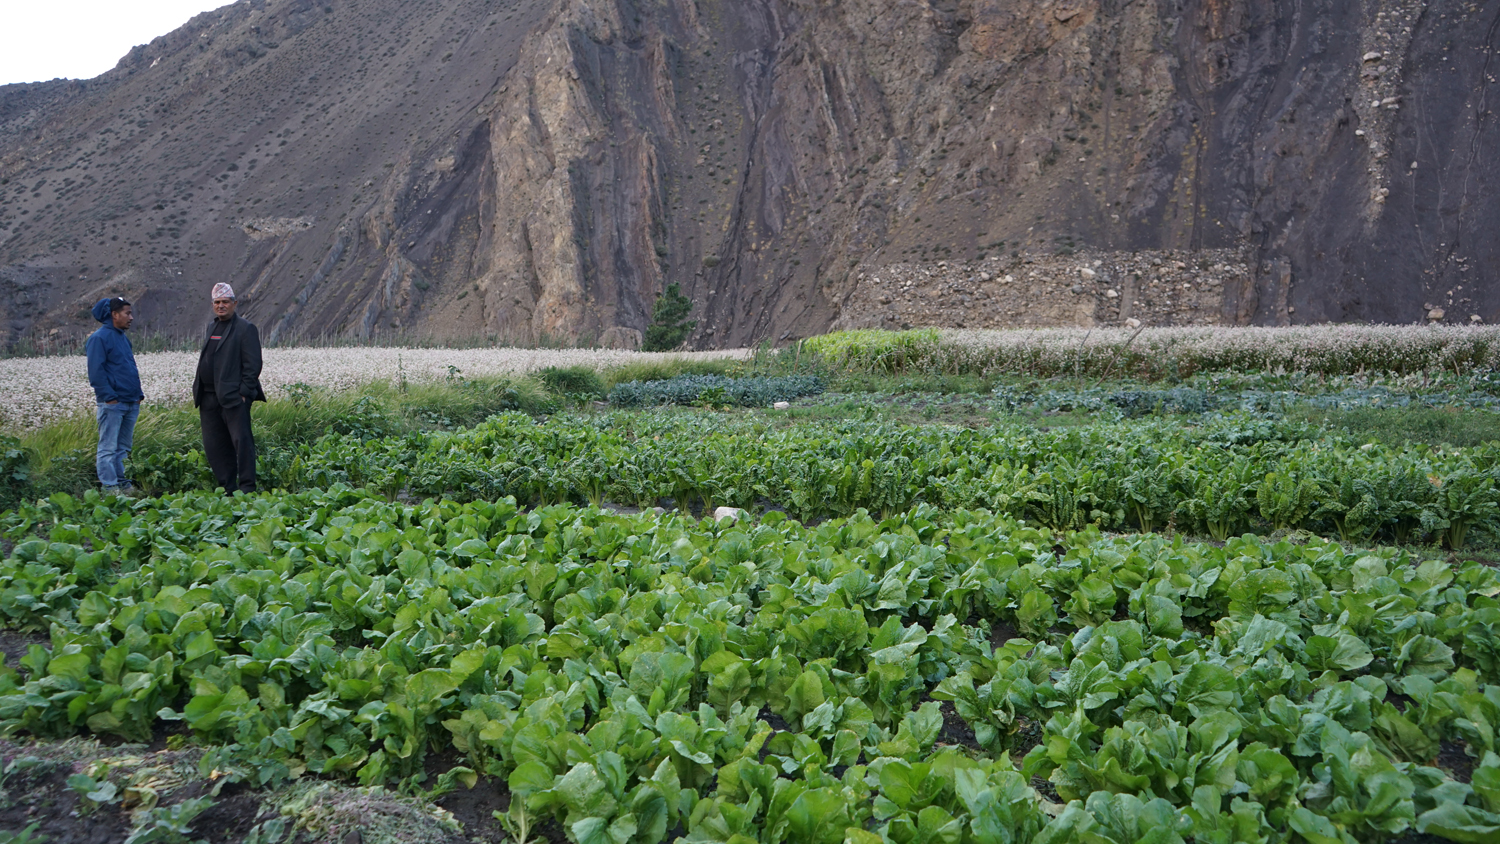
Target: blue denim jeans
(116, 435)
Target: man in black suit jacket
(228, 380)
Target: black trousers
(228, 443)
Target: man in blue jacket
(117, 391)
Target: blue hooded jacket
(112, 369)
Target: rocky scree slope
(538, 170)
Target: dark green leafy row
(1135, 401)
(716, 390)
(1221, 478)
(623, 673)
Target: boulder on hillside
(620, 337)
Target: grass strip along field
(1220, 477)
(639, 675)
(1164, 353)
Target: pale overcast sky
(80, 39)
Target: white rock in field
(985, 277)
(1132, 323)
(1476, 318)
(782, 405)
(1008, 279)
(1372, 56)
(1111, 294)
(732, 513)
(1436, 314)
(1087, 272)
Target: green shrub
(669, 323)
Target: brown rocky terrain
(1036, 291)
(538, 170)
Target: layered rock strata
(537, 171)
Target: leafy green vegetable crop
(1134, 401)
(640, 677)
(691, 389)
(14, 469)
(1220, 478)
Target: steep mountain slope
(538, 170)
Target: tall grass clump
(875, 350)
(1163, 353)
(572, 381)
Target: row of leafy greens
(639, 677)
(1221, 478)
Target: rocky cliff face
(538, 170)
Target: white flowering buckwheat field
(39, 390)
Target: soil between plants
(1454, 758)
(233, 814)
(475, 807)
(41, 796)
(956, 731)
(14, 645)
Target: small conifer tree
(669, 325)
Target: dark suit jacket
(236, 365)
